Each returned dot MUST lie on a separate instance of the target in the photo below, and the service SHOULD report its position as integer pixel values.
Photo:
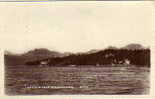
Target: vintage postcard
(77, 49)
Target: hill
(33, 55)
(134, 53)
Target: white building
(127, 61)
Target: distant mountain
(33, 55)
(134, 47)
(136, 53)
(41, 53)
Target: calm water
(77, 80)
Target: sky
(74, 27)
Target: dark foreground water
(77, 80)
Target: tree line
(139, 57)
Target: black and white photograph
(77, 49)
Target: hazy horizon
(26, 51)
